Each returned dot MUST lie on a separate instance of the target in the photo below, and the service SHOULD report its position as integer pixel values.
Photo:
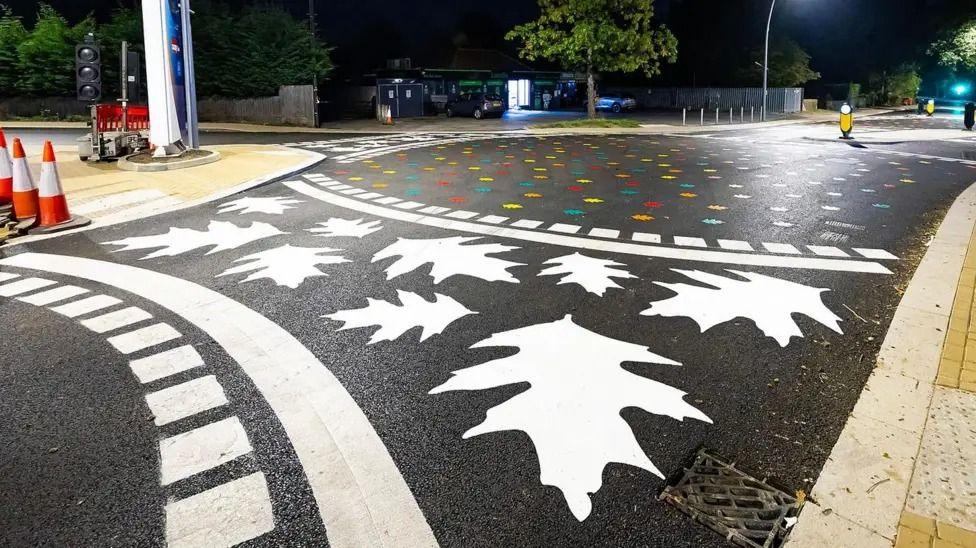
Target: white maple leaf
(449, 258)
(591, 274)
(221, 235)
(395, 320)
(768, 302)
(286, 265)
(275, 205)
(356, 228)
(572, 409)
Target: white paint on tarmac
(59, 293)
(23, 286)
(580, 242)
(201, 449)
(86, 305)
(360, 493)
(166, 363)
(185, 399)
(7, 276)
(224, 516)
(151, 335)
(116, 319)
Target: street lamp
(769, 23)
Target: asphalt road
(511, 412)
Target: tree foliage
(12, 34)
(46, 56)
(789, 65)
(597, 36)
(956, 49)
(889, 87)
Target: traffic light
(88, 72)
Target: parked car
(478, 105)
(616, 102)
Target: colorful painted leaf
(571, 410)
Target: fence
(48, 107)
(292, 106)
(785, 100)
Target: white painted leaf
(571, 410)
(286, 265)
(769, 302)
(219, 234)
(275, 205)
(449, 258)
(395, 320)
(591, 274)
(356, 228)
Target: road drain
(743, 509)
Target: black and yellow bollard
(930, 107)
(846, 121)
(969, 118)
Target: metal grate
(747, 511)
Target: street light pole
(315, 77)
(769, 23)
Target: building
(424, 91)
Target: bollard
(742, 115)
(730, 116)
(716, 115)
(752, 114)
(703, 116)
(684, 116)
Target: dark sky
(846, 38)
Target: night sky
(847, 39)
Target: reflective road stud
(52, 205)
(846, 121)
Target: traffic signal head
(88, 72)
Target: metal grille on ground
(745, 510)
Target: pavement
(593, 310)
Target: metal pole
(730, 115)
(125, 85)
(315, 77)
(684, 116)
(716, 115)
(703, 116)
(769, 23)
(742, 115)
(752, 114)
(189, 80)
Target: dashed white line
(827, 251)
(224, 516)
(353, 191)
(434, 210)
(86, 305)
(646, 237)
(875, 253)
(461, 214)
(387, 200)
(145, 337)
(59, 293)
(565, 228)
(341, 187)
(408, 205)
(369, 196)
(166, 363)
(604, 233)
(116, 319)
(23, 286)
(492, 219)
(689, 241)
(201, 449)
(527, 223)
(785, 249)
(736, 245)
(5, 276)
(185, 399)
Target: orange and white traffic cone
(24, 191)
(53, 212)
(6, 175)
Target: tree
(956, 49)
(12, 34)
(789, 65)
(889, 87)
(597, 35)
(46, 56)
(125, 24)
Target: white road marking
(341, 187)
(112, 201)
(361, 495)
(4, 276)
(224, 516)
(690, 241)
(166, 363)
(564, 228)
(408, 205)
(434, 210)
(461, 214)
(875, 253)
(201, 449)
(145, 337)
(646, 237)
(737, 245)
(387, 200)
(116, 319)
(827, 251)
(604, 233)
(369, 195)
(185, 399)
(788, 249)
(353, 191)
(526, 223)
(23, 286)
(703, 255)
(492, 219)
(59, 293)
(86, 305)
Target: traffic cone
(6, 175)
(53, 212)
(24, 191)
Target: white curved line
(688, 254)
(362, 497)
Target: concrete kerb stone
(127, 165)
(865, 483)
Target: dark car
(478, 105)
